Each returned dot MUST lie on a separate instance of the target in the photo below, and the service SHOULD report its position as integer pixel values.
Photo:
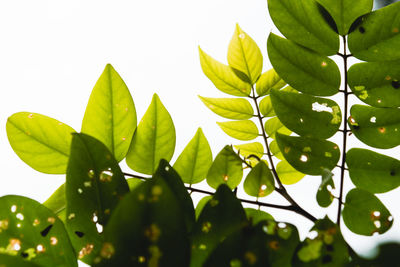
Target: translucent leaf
(16, 260)
(274, 148)
(303, 23)
(372, 171)
(324, 195)
(364, 213)
(376, 127)
(259, 182)
(269, 80)
(230, 108)
(30, 231)
(377, 37)
(245, 56)
(56, 202)
(345, 12)
(308, 155)
(252, 152)
(40, 141)
(266, 108)
(306, 71)
(195, 160)
(287, 174)
(201, 204)
(110, 115)
(307, 115)
(226, 169)
(376, 83)
(242, 130)
(223, 77)
(256, 215)
(153, 140)
(274, 125)
(221, 216)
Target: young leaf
(307, 115)
(364, 213)
(345, 12)
(30, 231)
(245, 56)
(230, 108)
(377, 37)
(110, 115)
(153, 140)
(195, 160)
(252, 152)
(266, 108)
(376, 127)
(94, 186)
(269, 80)
(376, 83)
(308, 155)
(40, 141)
(372, 171)
(287, 174)
(242, 130)
(324, 196)
(274, 125)
(303, 23)
(223, 77)
(226, 169)
(259, 182)
(303, 69)
(256, 216)
(274, 148)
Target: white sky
(52, 52)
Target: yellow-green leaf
(259, 182)
(287, 174)
(230, 108)
(269, 80)
(274, 125)
(241, 130)
(266, 107)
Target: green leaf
(364, 213)
(372, 171)
(287, 174)
(269, 80)
(274, 148)
(303, 69)
(324, 195)
(376, 127)
(195, 160)
(230, 108)
(94, 186)
(153, 140)
(40, 141)
(245, 130)
(345, 12)
(266, 108)
(256, 216)
(56, 202)
(221, 216)
(303, 23)
(259, 182)
(8, 260)
(133, 183)
(252, 152)
(110, 115)
(376, 83)
(307, 115)
(201, 204)
(274, 125)
(308, 155)
(377, 37)
(245, 56)
(226, 169)
(31, 231)
(223, 77)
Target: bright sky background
(52, 52)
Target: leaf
(266, 108)
(274, 148)
(303, 23)
(364, 213)
(287, 174)
(226, 169)
(153, 140)
(223, 77)
(245, 56)
(40, 141)
(230, 108)
(252, 152)
(195, 160)
(308, 155)
(256, 216)
(259, 182)
(30, 231)
(345, 12)
(377, 37)
(242, 130)
(274, 125)
(201, 204)
(9, 260)
(307, 115)
(376, 83)
(94, 186)
(269, 80)
(56, 202)
(324, 195)
(306, 71)
(110, 115)
(221, 216)
(376, 127)
(372, 171)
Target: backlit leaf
(266, 107)
(56, 202)
(259, 182)
(269, 80)
(274, 125)
(201, 204)
(242, 130)
(16, 260)
(252, 152)
(230, 108)
(274, 148)
(287, 174)
(324, 195)
(256, 215)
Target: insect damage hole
(46, 230)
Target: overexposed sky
(52, 52)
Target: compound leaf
(245, 130)
(230, 108)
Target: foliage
(103, 219)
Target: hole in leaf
(377, 224)
(373, 119)
(46, 230)
(303, 158)
(79, 234)
(24, 254)
(361, 29)
(395, 84)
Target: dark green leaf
(8, 260)
(324, 195)
(256, 216)
(259, 182)
(201, 204)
